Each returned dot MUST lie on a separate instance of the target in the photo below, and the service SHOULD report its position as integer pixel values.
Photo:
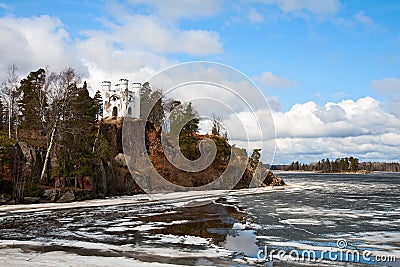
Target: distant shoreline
(344, 172)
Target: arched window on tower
(129, 111)
(115, 112)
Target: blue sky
(298, 52)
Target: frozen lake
(215, 228)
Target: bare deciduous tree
(60, 88)
(11, 94)
(216, 125)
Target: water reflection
(242, 241)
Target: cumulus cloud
(359, 128)
(126, 46)
(331, 113)
(383, 147)
(387, 85)
(36, 42)
(347, 118)
(389, 88)
(136, 46)
(152, 34)
(309, 132)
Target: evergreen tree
(176, 117)
(33, 104)
(192, 120)
(99, 104)
(184, 119)
(256, 155)
(74, 153)
(151, 105)
(145, 100)
(61, 89)
(157, 114)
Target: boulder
(50, 195)
(68, 196)
(272, 180)
(31, 200)
(4, 199)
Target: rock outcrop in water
(21, 166)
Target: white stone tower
(121, 101)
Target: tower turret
(121, 101)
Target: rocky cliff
(20, 167)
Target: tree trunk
(16, 128)
(97, 137)
(9, 121)
(46, 160)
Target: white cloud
(270, 80)
(359, 128)
(254, 16)
(152, 34)
(129, 46)
(4, 6)
(366, 148)
(389, 88)
(347, 118)
(331, 113)
(136, 46)
(345, 22)
(364, 19)
(321, 8)
(36, 42)
(186, 9)
(387, 85)
(358, 19)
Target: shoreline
(319, 172)
(177, 198)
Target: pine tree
(176, 117)
(157, 115)
(192, 120)
(33, 104)
(74, 153)
(256, 155)
(99, 104)
(145, 100)
(61, 88)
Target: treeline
(346, 164)
(52, 112)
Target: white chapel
(121, 100)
